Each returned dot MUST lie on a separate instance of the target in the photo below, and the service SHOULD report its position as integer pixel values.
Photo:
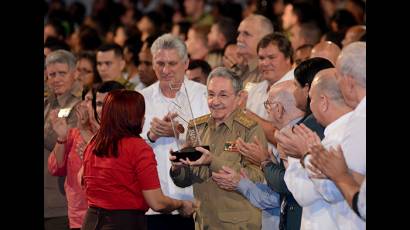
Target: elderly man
(219, 208)
(170, 61)
(60, 66)
(351, 77)
(331, 111)
(326, 49)
(282, 110)
(250, 31)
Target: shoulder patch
(199, 120)
(244, 120)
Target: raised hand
(331, 163)
(83, 118)
(292, 144)
(58, 124)
(254, 152)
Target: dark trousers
(103, 219)
(56, 223)
(169, 222)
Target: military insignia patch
(230, 146)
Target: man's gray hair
(63, 57)
(264, 23)
(352, 62)
(328, 84)
(284, 96)
(227, 74)
(169, 41)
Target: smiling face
(273, 63)
(169, 66)
(222, 100)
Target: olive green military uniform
(222, 209)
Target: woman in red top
(120, 175)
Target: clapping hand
(292, 144)
(163, 127)
(83, 120)
(226, 178)
(331, 163)
(254, 152)
(59, 124)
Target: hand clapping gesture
(59, 124)
(254, 152)
(163, 127)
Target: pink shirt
(76, 199)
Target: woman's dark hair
(122, 116)
(104, 87)
(90, 56)
(306, 71)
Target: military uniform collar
(228, 122)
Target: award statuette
(181, 113)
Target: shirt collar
(157, 90)
(336, 124)
(228, 122)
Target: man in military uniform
(219, 208)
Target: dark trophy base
(188, 152)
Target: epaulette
(244, 120)
(199, 120)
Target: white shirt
(157, 105)
(317, 213)
(259, 94)
(361, 200)
(353, 143)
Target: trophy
(186, 139)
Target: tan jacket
(221, 209)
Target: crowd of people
(271, 94)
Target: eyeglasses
(268, 104)
(84, 71)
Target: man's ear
(324, 102)
(186, 64)
(280, 110)
(123, 64)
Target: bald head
(283, 94)
(250, 31)
(327, 102)
(326, 49)
(262, 23)
(325, 83)
(354, 34)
